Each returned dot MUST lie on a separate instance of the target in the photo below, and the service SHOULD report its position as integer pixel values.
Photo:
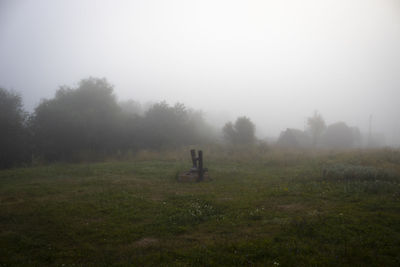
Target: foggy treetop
(273, 61)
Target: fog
(275, 62)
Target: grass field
(262, 208)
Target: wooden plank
(194, 160)
(200, 165)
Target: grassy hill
(266, 208)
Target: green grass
(262, 208)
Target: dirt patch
(146, 242)
(192, 177)
(292, 207)
(11, 200)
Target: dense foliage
(14, 136)
(87, 122)
(85, 118)
(338, 135)
(241, 132)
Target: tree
(165, 125)
(242, 132)
(229, 133)
(316, 126)
(294, 138)
(131, 107)
(13, 135)
(86, 122)
(357, 139)
(86, 118)
(338, 135)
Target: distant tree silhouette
(242, 132)
(357, 138)
(131, 107)
(87, 120)
(165, 125)
(229, 133)
(14, 147)
(294, 138)
(316, 126)
(79, 119)
(338, 135)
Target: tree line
(318, 135)
(88, 122)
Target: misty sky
(273, 61)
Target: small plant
(188, 211)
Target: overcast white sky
(273, 61)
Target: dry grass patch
(146, 242)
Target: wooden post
(200, 165)
(194, 160)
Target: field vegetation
(263, 207)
